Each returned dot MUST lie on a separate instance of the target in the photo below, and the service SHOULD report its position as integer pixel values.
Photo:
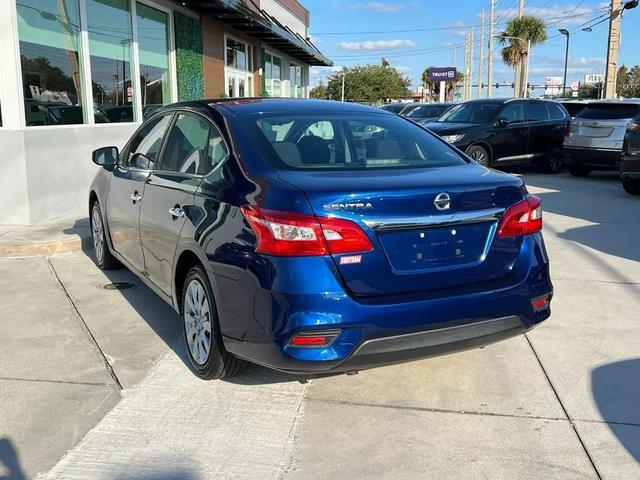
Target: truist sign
(442, 74)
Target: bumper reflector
(540, 303)
(314, 339)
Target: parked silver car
(595, 136)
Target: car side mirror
(105, 157)
(502, 122)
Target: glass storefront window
(295, 81)
(110, 39)
(153, 48)
(49, 32)
(238, 54)
(272, 75)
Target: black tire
(479, 154)
(216, 362)
(579, 170)
(553, 162)
(104, 258)
(632, 187)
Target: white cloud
(321, 74)
(385, 7)
(462, 32)
(403, 69)
(559, 15)
(374, 45)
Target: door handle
(136, 197)
(176, 212)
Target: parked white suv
(596, 134)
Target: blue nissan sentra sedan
(318, 236)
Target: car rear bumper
(384, 330)
(601, 159)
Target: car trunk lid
(419, 243)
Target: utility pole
(468, 68)
(613, 49)
(519, 67)
(480, 54)
(465, 82)
(492, 4)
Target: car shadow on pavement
(165, 323)
(10, 461)
(616, 391)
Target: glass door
(238, 84)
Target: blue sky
(361, 32)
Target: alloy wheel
(98, 234)
(197, 322)
(479, 155)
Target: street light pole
(344, 74)
(565, 32)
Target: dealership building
(79, 74)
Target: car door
(169, 193)
(543, 132)
(126, 189)
(510, 134)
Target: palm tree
(528, 28)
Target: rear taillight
(522, 218)
(294, 234)
(567, 130)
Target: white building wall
(13, 179)
(59, 167)
(284, 16)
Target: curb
(42, 249)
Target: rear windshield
(347, 142)
(604, 111)
(471, 113)
(427, 111)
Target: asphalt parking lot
(94, 382)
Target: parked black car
(427, 112)
(395, 107)
(502, 132)
(630, 164)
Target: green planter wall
(190, 72)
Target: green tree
(514, 52)
(433, 88)
(368, 83)
(628, 82)
(622, 78)
(319, 91)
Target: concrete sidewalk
(64, 234)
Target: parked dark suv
(504, 132)
(630, 164)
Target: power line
(434, 29)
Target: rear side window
(556, 111)
(609, 111)
(537, 112)
(358, 142)
(194, 146)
